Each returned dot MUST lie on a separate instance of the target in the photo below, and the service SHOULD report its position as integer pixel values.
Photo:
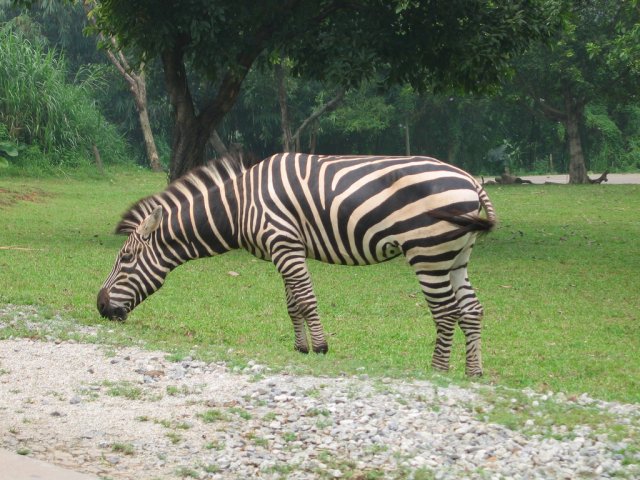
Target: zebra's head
(136, 273)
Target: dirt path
(613, 178)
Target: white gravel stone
(58, 402)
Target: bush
(58, 121)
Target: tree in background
(435, 44)
(291, 139)
(61, 25)
(137, 86)
(560, 80)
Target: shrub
(50, 117)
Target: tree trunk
(577, 168)
(98, 159)
(188, 148)
(407, 141)
(570, 117)
(137, 87)
(218, 145)
(188, 145)
(313, 137)
(140, 96)
(287, 140)
(293, 141)
(192, 131)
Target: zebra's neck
(199, 223)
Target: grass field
(559, 281)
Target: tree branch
(327, 107)
(213, 112)
(218, 145)
(551, 112)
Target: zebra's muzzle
(107, 310)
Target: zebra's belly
(382, 253)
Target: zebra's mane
(216, 172)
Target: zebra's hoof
(474, 374)
(301, 349)
(321, 349)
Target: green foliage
(570, 80)
(363, 113)
(8, 147)
(212, 416)
(467, 44)
(606, 140)
(428, 45)
(628, 119)
(54, 122)
(459, 129)
(621, 49)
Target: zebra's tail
(464, 221)
(487, 205)
(470, 222)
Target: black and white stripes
(349, 210)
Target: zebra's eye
(127, 257)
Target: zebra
(349, 210)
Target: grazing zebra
(348, 210)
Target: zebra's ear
(151, 223)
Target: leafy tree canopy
(436, 43)
(593, 57)
(207, 47)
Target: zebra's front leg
(301, 301)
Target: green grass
(212, 416)
(125, 448)
(123, 389)
(558, 280)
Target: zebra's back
(353, 210)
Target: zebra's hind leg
(442, 302)
(301, 342)
(471, 313)
(301, 301)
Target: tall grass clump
(55, 123)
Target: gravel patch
(128, 413)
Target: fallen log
(600, 179)
(508, 179)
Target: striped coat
(348, 210)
